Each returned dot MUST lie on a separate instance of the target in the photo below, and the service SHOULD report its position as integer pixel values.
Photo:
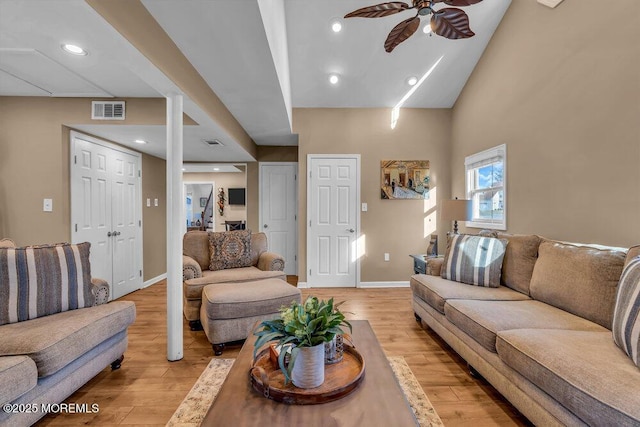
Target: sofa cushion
(7, 243)
(584, 371)
(18, 375)
(579, 279)
(633, 252)
(626, 315)
(195, 244)
(474, 260)
(230, 249)
(435, 291)
(519, 259)
(37, 281)
(193, 287)
(237, 300)
(482, 320)
(55, 341)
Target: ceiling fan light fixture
(427, 28)
(334, 79)
(336, 26)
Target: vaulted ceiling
(261, 58)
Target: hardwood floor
(148, 388)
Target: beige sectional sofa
(46, 358)
(196, 273)
(543, 337)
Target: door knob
(351, 230)
(116, 233)
(109, 234)
(265, 226)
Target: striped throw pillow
(626, 314)
(474, 260)
(37, 281)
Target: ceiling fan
(449, 22)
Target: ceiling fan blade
(379, 10)
(451, 23)
(459, 2)
(401, 32)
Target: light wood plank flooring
(148, 388)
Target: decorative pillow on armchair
(230, 249)
(37, 281)
(626, 314)
(474, 260)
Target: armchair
(196, 274)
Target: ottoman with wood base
(229, 311)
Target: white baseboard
(364, 285)
(404, 284)
(154, 280)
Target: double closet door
(106, 210)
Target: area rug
(194, 407)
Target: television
(236, 196)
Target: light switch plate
(364, 207)
(155, 202)
(148, 202)
(550, 3)
(47, 205)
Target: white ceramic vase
(308, 368)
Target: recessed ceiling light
(216, 169)
(412, 80)
(333, 79)
(336, 26)
(427, 28)
(184, 169)
(140, 141)
(73, 49)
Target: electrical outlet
(364, 207)
(47, 205)
(387, 257)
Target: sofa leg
(117, 363)
(474, 374)
(195, 325)
(418, 318)
(217, 349)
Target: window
(486, 176)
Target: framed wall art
(404, 179)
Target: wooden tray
(340, 379)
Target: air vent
(213, 143)
(107, 110)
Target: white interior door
(333, 198)
(278, 211)
(106, 211)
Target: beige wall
(154, 218)
(399, 227)
(34, 164)
(224, 180)
(562, 90)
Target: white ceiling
(261, 57)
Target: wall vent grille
(107, 110)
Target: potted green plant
(302, 330)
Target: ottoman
(229, 311)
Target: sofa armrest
(270, 261)
(100, 291)
(190, 268)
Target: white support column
(175, 350)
